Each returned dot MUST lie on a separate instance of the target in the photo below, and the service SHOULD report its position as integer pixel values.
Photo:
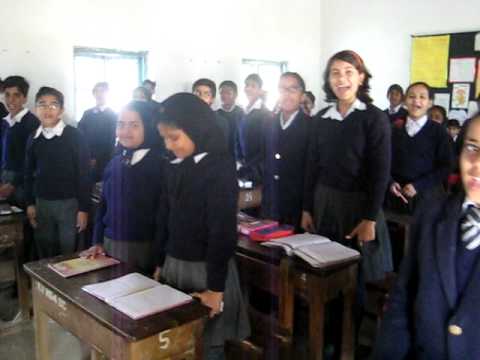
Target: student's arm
(443, 164)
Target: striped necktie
(470, 228)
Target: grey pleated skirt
(138, 254)
(336, 213)
(191, 276)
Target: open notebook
(137, 296)
(317, 250)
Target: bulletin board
(450, 64)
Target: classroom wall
(186, 39)
(380, 30)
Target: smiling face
(395, 98)
(49, 111)
(253, 91)
(176, 141)
(15, 100)
(344, 80)
(417, 101)
(291, 94)
(470, 161)
(130, 129)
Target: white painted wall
(186, 39)
(380, 30)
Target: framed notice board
(450, 64)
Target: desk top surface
(133, 330)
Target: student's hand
(6, 190)
(32, 215)
(396, 190)
(93, 252)
(212, 299)
(364, 231)
(307, 222)
(409, 190)
(82, 220)
(157, 273)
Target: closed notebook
(137, 296)
(248, 224)
(81, 265)
(317, 250)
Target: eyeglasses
(45, 106)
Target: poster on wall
(442, 100)
(462, 70)
(477, 90)
(460, 96)
(477, 42)
(430, 60)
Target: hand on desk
(364, 231)
(32, 215)
(307, 222)
(93, 251)
(212, 299)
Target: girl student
(125, 221)
(197, 237)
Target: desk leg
(95, 355)
(21, 277)
(317, 300)
(348, 326)
(41, 335)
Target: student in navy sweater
(308, 103)
(98, 127)
(396, 112)
(349, 166)
(57, 186)
(433, 310)
(286, 144)
(197, 234)
(15, 128)
(421, 154)
(230, 111)
(125, 221)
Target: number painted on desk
(248, 196)
(164, 340)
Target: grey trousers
(56, 230)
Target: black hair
(17, 81)
(255, 78)
(49, 91)
(441, 109)
(424, 84)
(206, 82)
(102, 84)
(230, 84)
(144, 91)
(310, 95)
(297, 77)
(453, 123)
(394, 87)
(354, 59)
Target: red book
(272, 233)
(248, 224)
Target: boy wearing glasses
(286, 143)
(57, 186)
(15, 128)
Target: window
(270, 72)
(123, 71)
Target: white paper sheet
(442, 100)
(460, 96)
(462, 70)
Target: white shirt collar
(334, 114)
(286, 124)
(138, 155)
(414, 126)
(98, 109)
(197, 158)
(17, 118)
(230, 110)
(467, 202)
(257, 105)
(395, 110)
(49, 133)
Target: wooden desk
(11, 236)
(248, 199)
(403, 220)
(285, 276)
(172, 334)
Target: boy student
(308, 103)
(396, 110)
(230, 111)
(286, 144)
(57, 168)
(151, 85)
(98, 128)
(250, 139)
(15, 128)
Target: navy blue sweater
(3, 111)
(57, 168)
(284, 169)
(352, 155)
(402, 113)
(13, 145)
(233, 119)
(424, 160)
(130, 197)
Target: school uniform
(346, 178)
(3, 110)
(250, 139)
(14, 133)
(98, 127)
(57, 183)
(197, 234)
(233, 118)
(433, 310)
(397, 113)
(422, 156)
(286, 145)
